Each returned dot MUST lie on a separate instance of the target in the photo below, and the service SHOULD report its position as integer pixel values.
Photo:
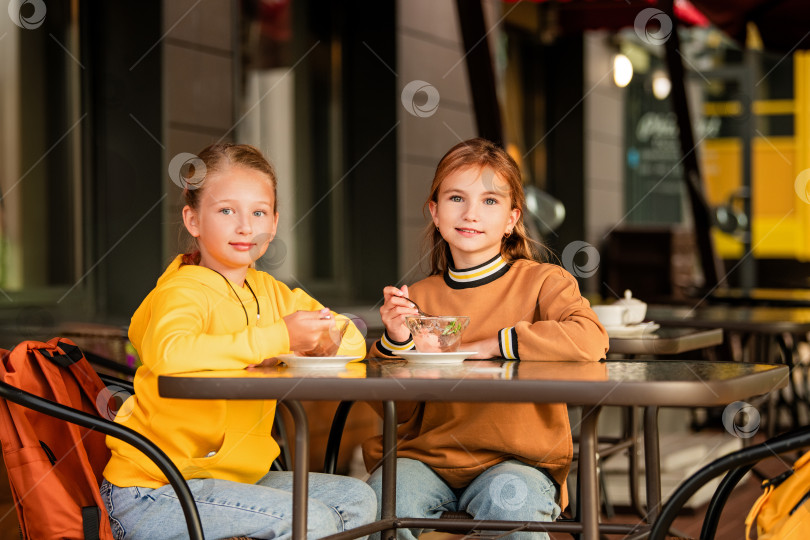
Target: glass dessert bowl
(437, 334)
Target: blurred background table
(766, 320)
(761, 297)
(760, 334)
(666, 341)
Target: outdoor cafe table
(592, 385)
(767, 326)
(764, 330)
(764, 320)
(666, 340)
(659, 342)
(761, 297)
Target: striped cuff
(389, 347)
(507, 342)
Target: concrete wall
(199, 96)
(604, 144)
(430, 49)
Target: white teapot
(627, 310)
(635, 308)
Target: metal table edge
(640, 393)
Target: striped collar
(477, 275)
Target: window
(320, 99)
(40, 133)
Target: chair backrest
(789, 505)
(54, 467)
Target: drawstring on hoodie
(258, 308)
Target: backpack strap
(71, 351)
(758, 504)
(72, 354)
(8, 435)
(90, 522)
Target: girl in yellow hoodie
(492, 460)
(212, 310)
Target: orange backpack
(54, 467)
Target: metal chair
(280, 428)
(330, 464)
(333, 448)
(97, 423)
(335, 435)
(735, 465)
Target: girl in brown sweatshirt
(492, 460)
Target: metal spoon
(422, 313)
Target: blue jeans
(228, 509)
(510, 490)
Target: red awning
(575, 16)
(784, 25)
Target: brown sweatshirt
(538, 314)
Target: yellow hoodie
(192, 321)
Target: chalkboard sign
(654, 187)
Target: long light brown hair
(218, 158)
(479, 154)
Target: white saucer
(415, 357)
(633, 330)
(312, 362)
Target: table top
(761, 319)
(662, 383)
(668, 340)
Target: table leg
(631, 428)
(388, 504)
(652, 462)
(786, 346)
(300, 469)
(588, 478)
(764, 356)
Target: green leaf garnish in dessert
(452, 328)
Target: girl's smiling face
(473, 211)
(234, 222)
